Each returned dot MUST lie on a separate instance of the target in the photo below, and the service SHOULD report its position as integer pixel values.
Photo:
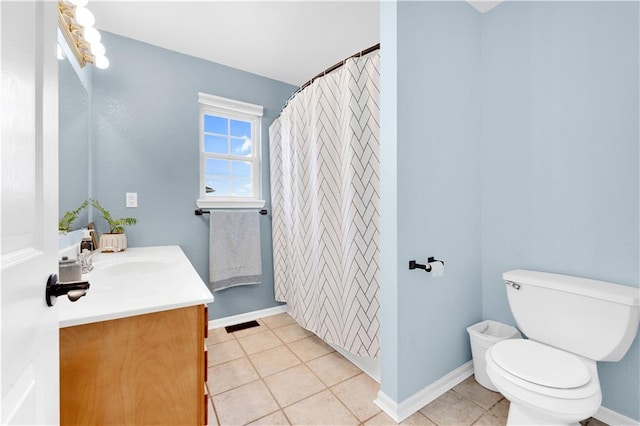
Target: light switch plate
(132, 199)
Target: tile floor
(280, 374)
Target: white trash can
(483, 335)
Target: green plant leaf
(116, 226)
(64, 224)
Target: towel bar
(200, 212)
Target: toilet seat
(542, 365)
(525, 363)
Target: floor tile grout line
(255, 369)
(345, 405)
(253, 366)
(341, 381)
(364, 421)
(263, 381)
(475, 403)
(335, 384)
(235, 387)
(229, 360)
(215, 412)
(267, 415)
(260, 377)
(486, 412)
(325, 387)
(302, 362)
(290, 368)
(274, 398)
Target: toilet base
(520, 415)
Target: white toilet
(571, 323)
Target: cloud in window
(245, 148)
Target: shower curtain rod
(330, 69)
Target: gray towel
(234, 249)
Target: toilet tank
(594, 319)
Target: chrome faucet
(85, 257)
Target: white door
(28, 212)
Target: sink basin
(134, 267)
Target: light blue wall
(515, 146)
(145, 140)
(73, 143)
(438, 191)
(560, 182)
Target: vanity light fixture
(79, 2)
(83, 16)
(76, 24)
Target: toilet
(570, 323)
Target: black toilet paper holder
(427, 267)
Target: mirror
(73, 142)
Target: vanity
(132, 350)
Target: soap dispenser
(87, 241)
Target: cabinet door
(147, 369)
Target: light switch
(132, 199)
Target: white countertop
(140, 280)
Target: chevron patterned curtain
(325, 179)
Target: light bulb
(101, 62)
(91, 35)
(84, 16)
(97, 49)
(80, 3)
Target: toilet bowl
(570, 322)
(545, 385)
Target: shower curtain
(325, 175)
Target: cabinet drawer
(206, 364)
(206, 408)
(206, 321)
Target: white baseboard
(611, 417)
(248, 316)
(404, 409)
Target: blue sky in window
(220, 184)
(240, 169)
(231, 136)
(214, 124)
(217, 167)
(241, 187)
(240, 129)
(216, 144)
(241, 147)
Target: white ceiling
(290, 41)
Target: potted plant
(64, 224)
(116, 236)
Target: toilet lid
(541, 364)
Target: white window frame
(229, 108)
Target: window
(229, 153)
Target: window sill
(205, 203)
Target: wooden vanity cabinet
(140, 370)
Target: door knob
(73, 289)
(74, 295)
